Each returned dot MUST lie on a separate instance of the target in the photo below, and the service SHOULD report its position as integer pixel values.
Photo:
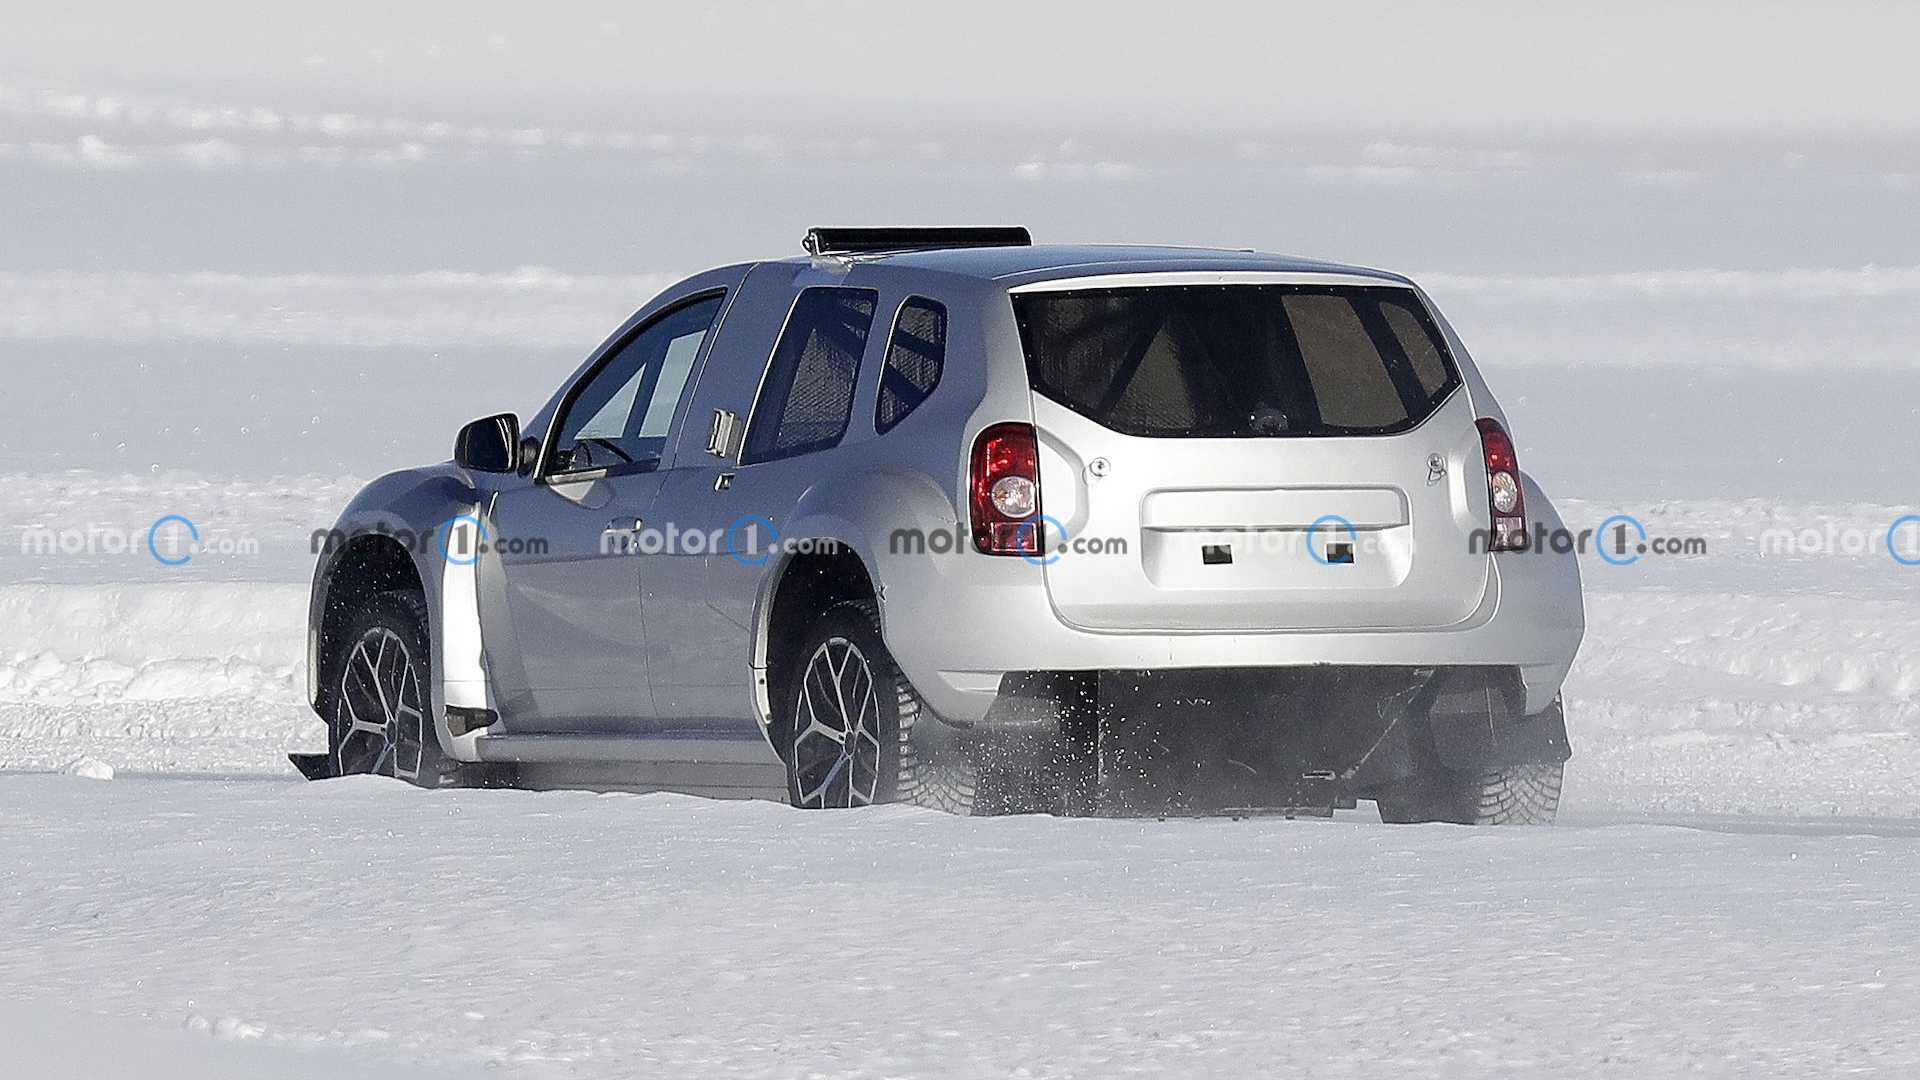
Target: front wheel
(856, 732)
(382, 713)
(1515, 795)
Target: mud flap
(313, 766)
(1475, 726)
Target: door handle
(723, 482)
(621, 536)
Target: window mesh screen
(1351, 385)
(1422, 348)
(915, 357)
(808, 395)
(1237, 361)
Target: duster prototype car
(941, 516)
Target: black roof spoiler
(838, 241)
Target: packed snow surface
(568, 934)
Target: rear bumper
(962, 633)
(1536, 635)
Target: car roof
(1043, 262)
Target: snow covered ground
(1728, 893)
(567, 934)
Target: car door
(570, 538)
(788, 362)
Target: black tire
(1515, 795)
(381, 707)
(854, 730)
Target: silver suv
(939, 516)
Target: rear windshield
(1238, 361)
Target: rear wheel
(1515, 795)
(855, 730)
(382, 709)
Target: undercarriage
(1297, 741)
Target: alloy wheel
(380, 720)
(836, 726)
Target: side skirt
(744, 768)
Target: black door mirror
(489, 445)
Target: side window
(620, 417)
(806, 398)
(915, 357)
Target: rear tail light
(1005, 482)
(1504, 499)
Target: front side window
(1238, 361)
(915, 356)
(806, 398)
(619, 419)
